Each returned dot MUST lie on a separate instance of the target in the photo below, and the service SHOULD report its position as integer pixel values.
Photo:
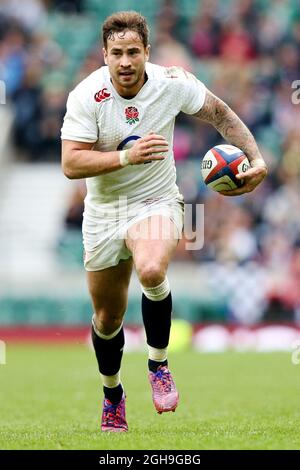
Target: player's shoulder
(169, 74)
(92, 87)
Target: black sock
(154, 365)
(157, 321)
(113, 394)
(109, 352)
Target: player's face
(126, 56)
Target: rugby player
(118, 134)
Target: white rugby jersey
(97, 113)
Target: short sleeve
(194, 94)
(80, 122)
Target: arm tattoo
(228, 124)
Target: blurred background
(248, 272)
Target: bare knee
(151, 274)
(107, 322)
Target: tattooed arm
(219, 114)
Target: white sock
(158, 355)
(111, 381)
(159, 292)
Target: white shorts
(104, 236)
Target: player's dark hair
(125, 21)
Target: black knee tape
(157, 321)
(109, 352)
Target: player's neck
(129, 93)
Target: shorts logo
(132, 114)
(101, 95)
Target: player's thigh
(109, 287)
(152, 243)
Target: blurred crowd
(247, 52)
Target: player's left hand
(252, 178)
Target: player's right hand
(147, 149)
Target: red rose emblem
(132, 114)
(101, 95)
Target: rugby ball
(221, 164)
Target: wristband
(258, 163)
(124, 160)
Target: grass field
(50, 399)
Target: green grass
(50, 399)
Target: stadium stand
(248, 53)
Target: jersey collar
(110, 86)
